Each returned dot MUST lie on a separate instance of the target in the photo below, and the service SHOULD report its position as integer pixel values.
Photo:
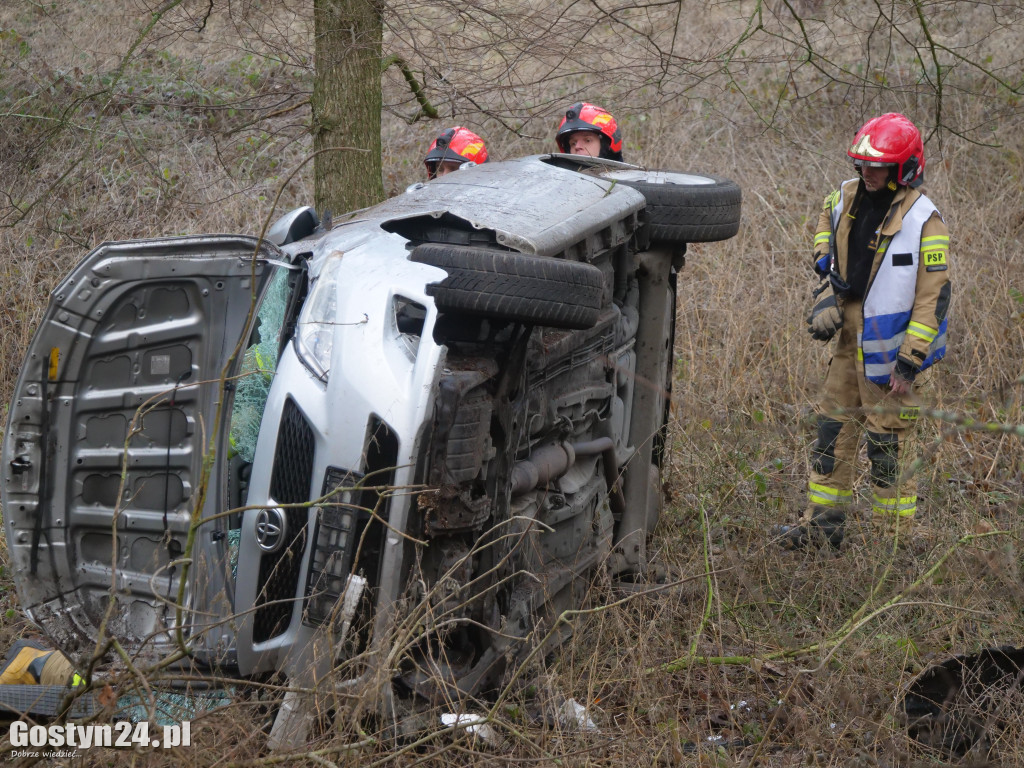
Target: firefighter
(587, 129)
(882, 251)
(452, 149)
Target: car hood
(116, 409)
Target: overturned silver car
(395, 446)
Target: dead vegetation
(753, 656)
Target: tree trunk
(347, 105)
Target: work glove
(906, 370)
(825, 319)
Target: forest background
(129, 118)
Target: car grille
(289, 484)
(332, 551)
(356, 524)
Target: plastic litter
(473, 724)
(572, 714)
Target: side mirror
(293, 226)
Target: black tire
(513, 286)
(683, 207)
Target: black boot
(792, 537)
(827, 526)
(830, 523)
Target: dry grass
(763, 648)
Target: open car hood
(123, 387)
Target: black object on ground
(961, 704)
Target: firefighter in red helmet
(587, 129)
(453, 148)
(882, 251)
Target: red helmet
(891, 140)
(457, 144)
(584, 116)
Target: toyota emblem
(271, 527)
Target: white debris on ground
(572, 714)
(474, 724)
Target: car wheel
(685, 207)
(513, 286)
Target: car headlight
(314, 339)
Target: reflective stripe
(77, 680)
(879, 355)
(878, 373)
(821, 238)
(260, 365)
(826, 496)
(922, 331)
(904, 506)
(885, 334)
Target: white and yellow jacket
(907, 297)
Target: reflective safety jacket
(908, 292)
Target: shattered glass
(258, 367)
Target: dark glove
(906, 370)
(825, 319)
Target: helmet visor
(857, 163)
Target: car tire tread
(514, 286)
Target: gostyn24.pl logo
(74, 736)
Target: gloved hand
(825, 319)
(906, 370)
(902, 378)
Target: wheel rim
(659, 177)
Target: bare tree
(346, 104)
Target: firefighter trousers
(849, 405)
